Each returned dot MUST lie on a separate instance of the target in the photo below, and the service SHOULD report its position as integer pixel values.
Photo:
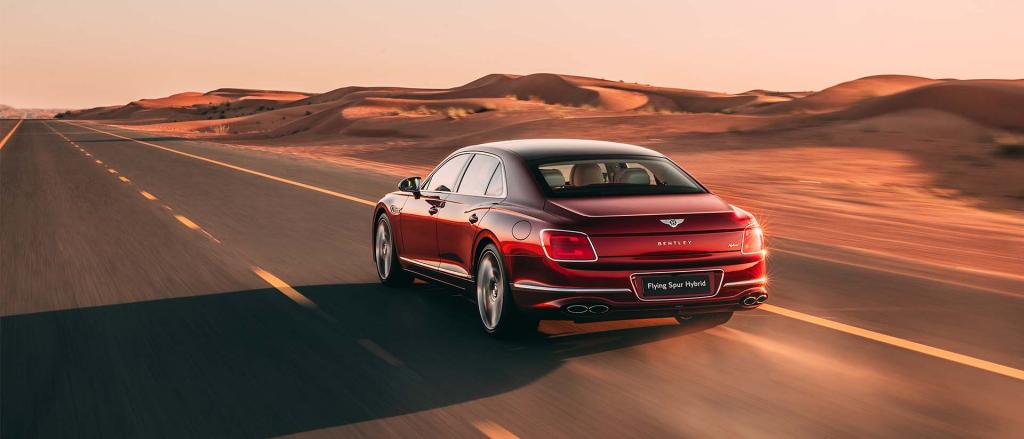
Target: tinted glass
(478, 174)
(496, 188)
(616, 176)
(443, 180)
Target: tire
(706, 320)
(499, 314)
(385, 255)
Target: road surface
(159, 287)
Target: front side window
(478, 174)
(444, 178)
(615, 176)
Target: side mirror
(411, 184)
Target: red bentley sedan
(571, 229)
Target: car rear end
(633, 255)
(637, 266)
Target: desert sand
(899, 166)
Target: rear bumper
(569, 290)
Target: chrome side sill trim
(569, 290)
(437, 269)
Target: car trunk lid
(655, 226)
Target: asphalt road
(220, 292)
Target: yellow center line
(10, 133)
(111, 171)
(492, 430)
(124, 179)
(148, 195)
(99, 162)
(898, 342)
(239, 168)
(187, 222)
(284, 288)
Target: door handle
(432, 210)
(473, 219)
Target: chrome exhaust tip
(598, 309)
(577, 309)
(762, 298)
(749, 301)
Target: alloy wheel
(382, 248)
(490, 290)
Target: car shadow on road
(254, 363)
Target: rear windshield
(615, 176)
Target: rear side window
(496, 188)
(478, 175)
(444, 178)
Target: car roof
(539, 149)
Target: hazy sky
(98, 52)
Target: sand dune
(564, 90)
(275, 114)
(186, 99)
(858, 98)
(788, 95)
(187, 106)
(353, 93)
(544, 87)
(240, 94)
(848, 93)
(998, 104)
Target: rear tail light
(567, 246)
(753, 239)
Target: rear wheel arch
(483, 238)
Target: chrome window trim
(632, 285)
(504, 179)
(545, 248)
(458, 181)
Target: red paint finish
(612, 243)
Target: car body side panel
(419, 230)
(456, 234)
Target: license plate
(671, 285)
